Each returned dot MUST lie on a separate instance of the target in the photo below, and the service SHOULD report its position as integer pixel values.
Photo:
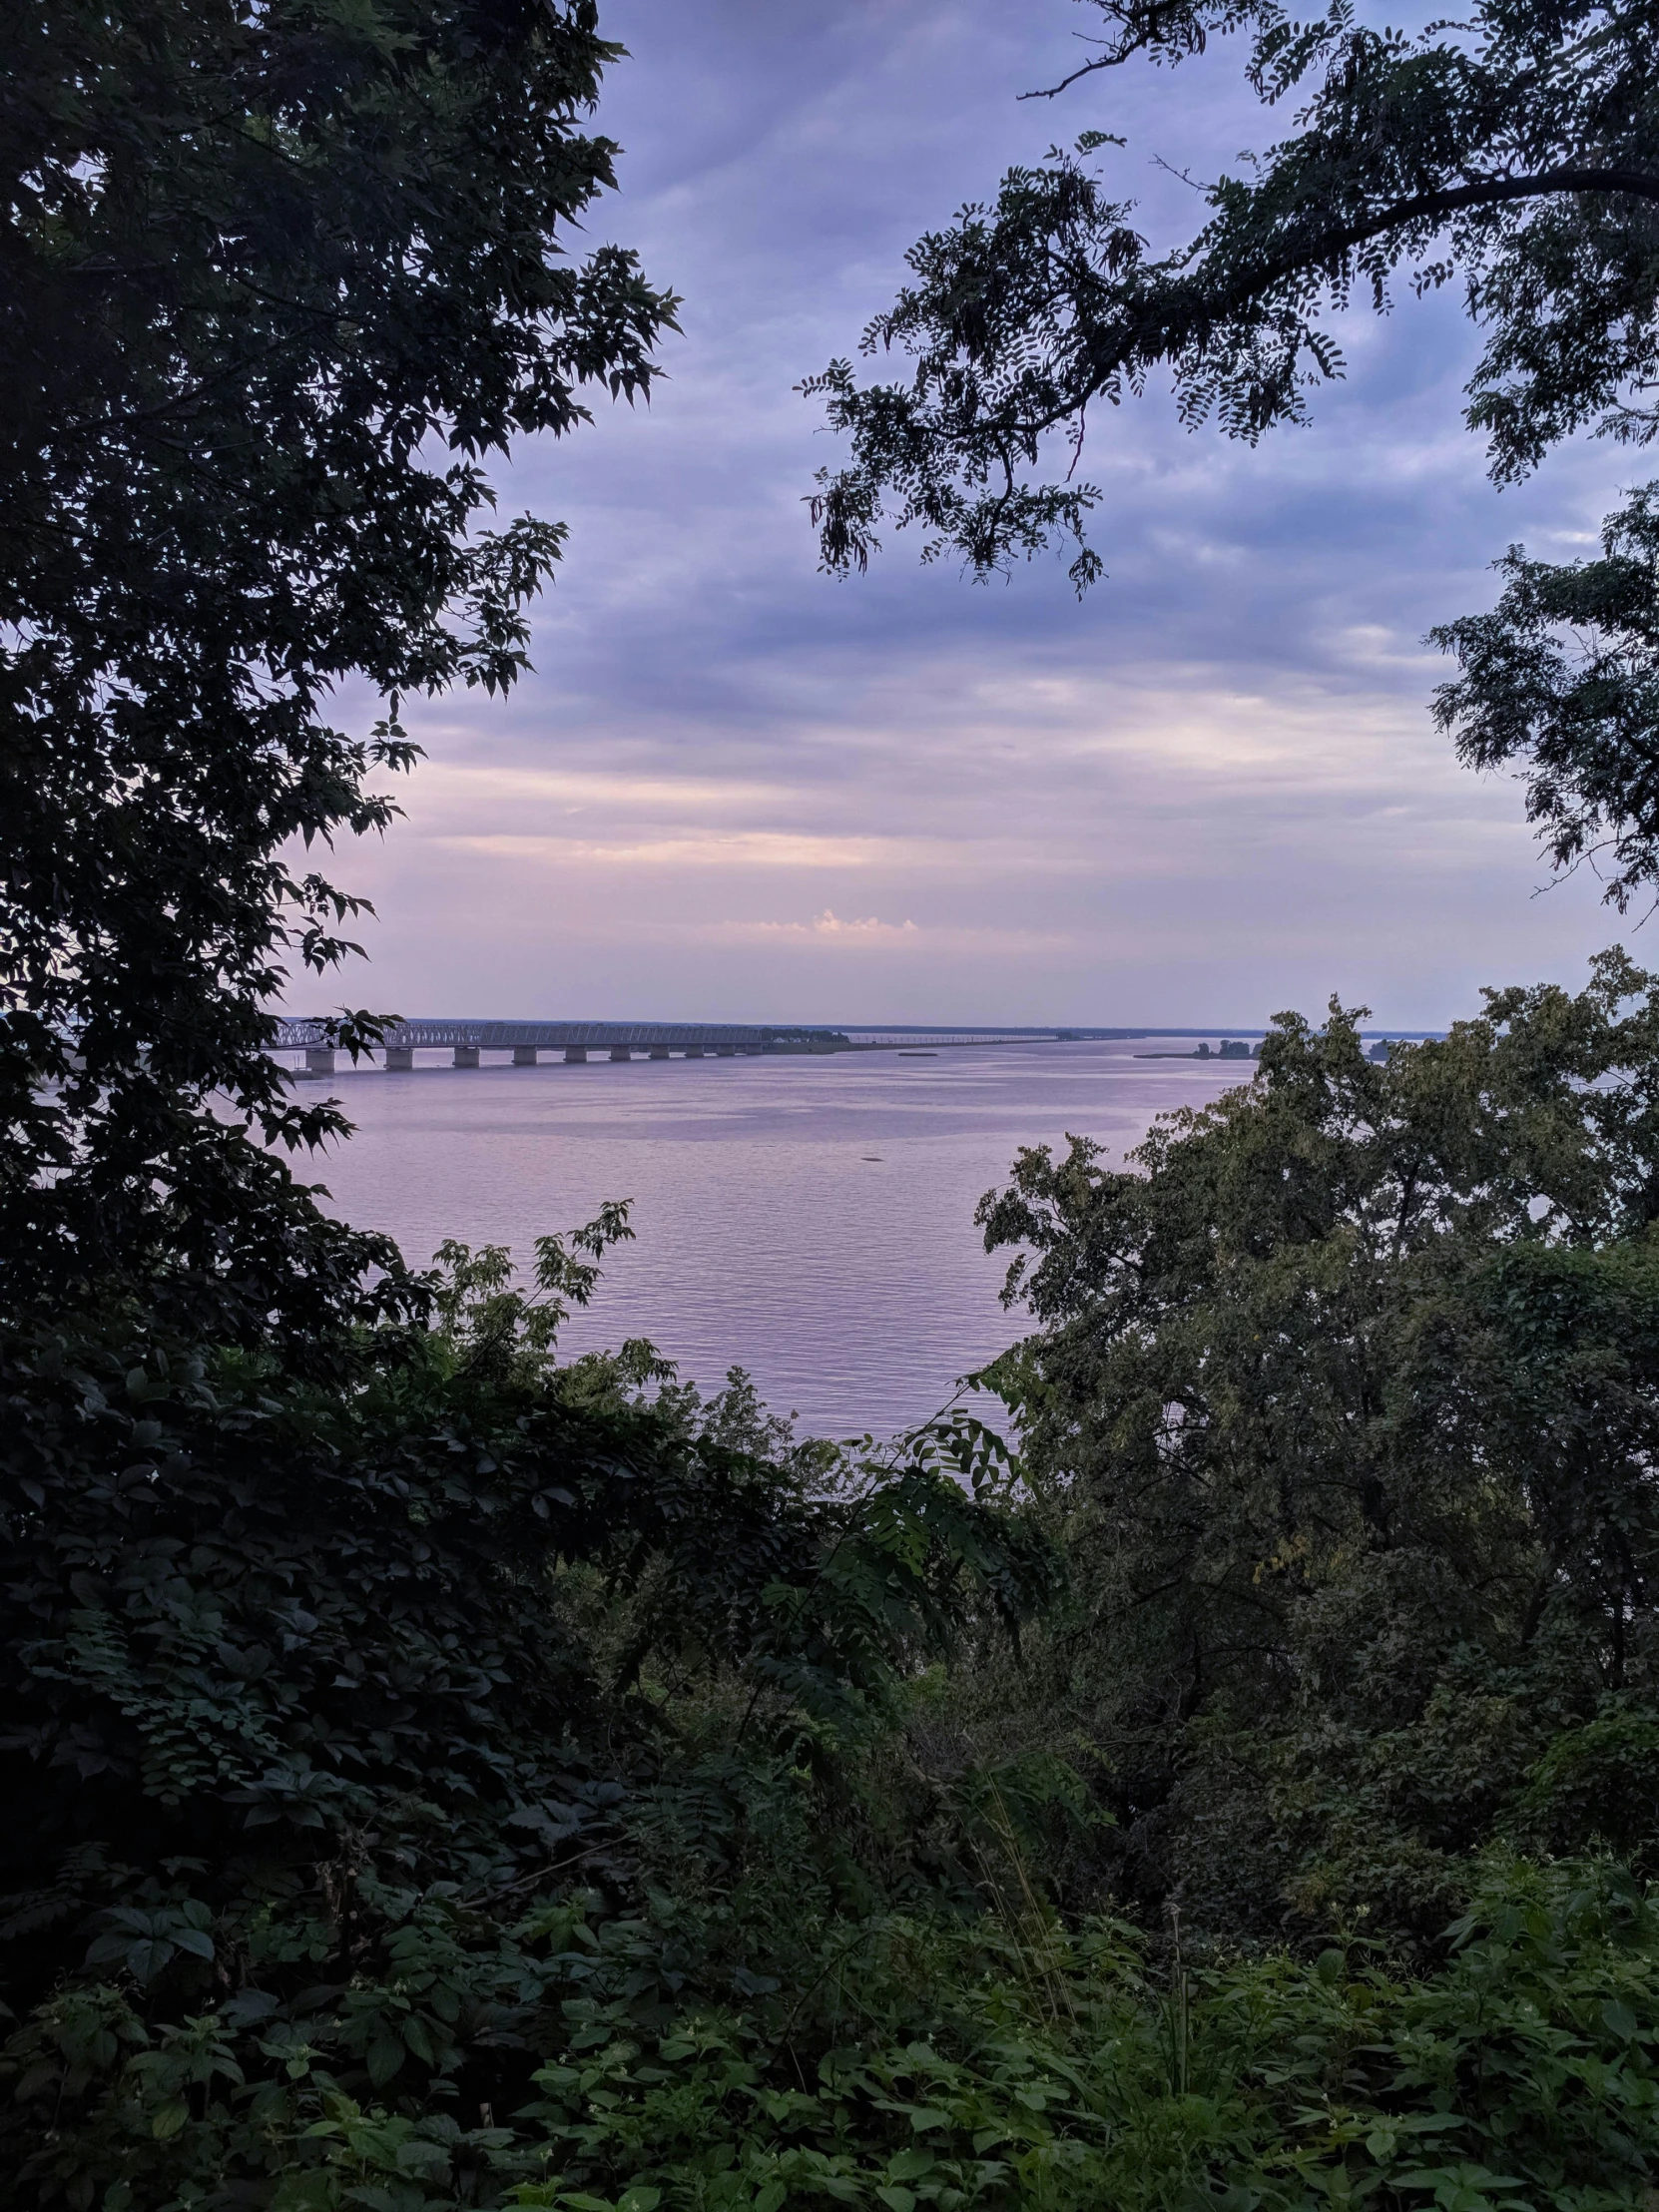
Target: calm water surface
(809, 1219)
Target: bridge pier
(694, 1052)
(726, 1051)
(399, 1059)
(466, 1055)
(659, 1052)
(576, 1055)
(524, 1055)
(621, 1052)
(320, 1059)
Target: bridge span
(525, 1041)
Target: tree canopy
(1513, 152)
(279, 279)
(1343, 1398)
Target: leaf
(385, 2058)
(910, 2166)
(146, 1959)
(1620, 2019)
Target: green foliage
(1521, 2073)
(325, 1792)
(488, 1321)
(486, 1779)
(1563, 674)
(279, 278)
(1343, 1408)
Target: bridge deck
(298, 1036)
(315, 1036)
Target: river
(809, 1219)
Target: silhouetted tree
(276, 281)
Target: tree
(1345, 1402)
(1516, 150)
(278, 280)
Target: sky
(735, 789)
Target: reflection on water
(809, 1219)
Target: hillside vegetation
(468, 1778)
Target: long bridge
(525, 1041)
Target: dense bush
(1060, 2071)
(348, 1732)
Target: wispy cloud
(871, 928)
(863, 932)
(746, 848)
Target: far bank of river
(810, 1218)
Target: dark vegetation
(277, 280)
(472, 1778)
(440, 1774)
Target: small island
(1234, 1048)
(1230, 1048)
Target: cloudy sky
(735, 789)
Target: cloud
(829, 926)
(1209, 791)
(728, 850)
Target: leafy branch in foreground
(1519, 148)
(1563, 674)
(1516, 151)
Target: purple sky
(734, 788)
